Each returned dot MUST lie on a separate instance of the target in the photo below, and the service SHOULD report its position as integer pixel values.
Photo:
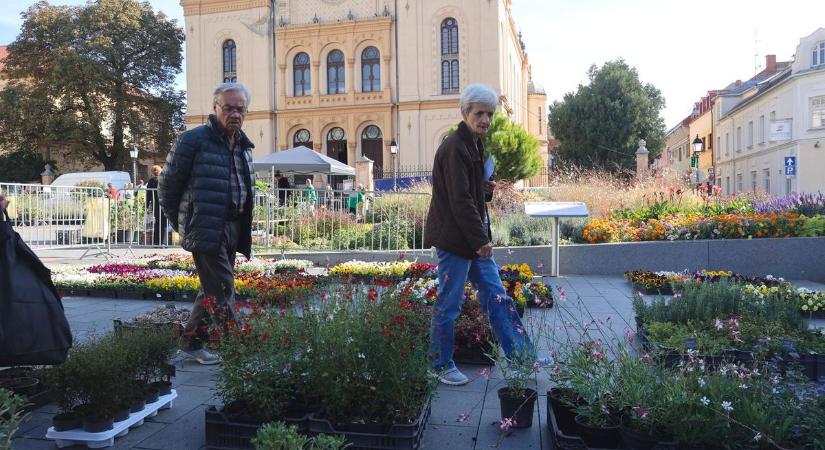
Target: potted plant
(11, 415)
(473, 335)
(591, 375)
(517, 400)
(276, 435)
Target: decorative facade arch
(384, 68)
(289, 73)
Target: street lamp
(394, 152)
(698, 145)
(133, 152)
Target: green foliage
(99, 77)
(812, 227)
(599, 125)
(11, 415)
(514, 150)
(21, 166)
(277, 436)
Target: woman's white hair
(479, 94)
(226, 87)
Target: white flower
(723, 370)
(701, 382)
(743, 386)
(705, 401)
(361, 355)
(727, 406)
(758, 437)
(775, 391)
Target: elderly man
(459, 229)
(206, 194)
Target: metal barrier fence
(283, 219)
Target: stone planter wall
(790, 258)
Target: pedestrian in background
(155, 215)
(206, 192)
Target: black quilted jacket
(194, 189)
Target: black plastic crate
(398, 437)
(474, 356)
(562, 441)
(224, 434)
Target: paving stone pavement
(603, 300)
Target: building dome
(535, 88)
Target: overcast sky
(683, 48)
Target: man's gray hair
(226, 87)
(480, 94)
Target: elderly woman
(459, 229)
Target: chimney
(770, 63)
(738, 83)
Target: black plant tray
(224, 434)
(398, 437)
(474, 356)
(664, 290)
(563, 441)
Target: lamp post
(133, 152)
(698, 147)
(394, 152)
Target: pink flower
(463, 417)
(641, 412)
(628, 335)
(485, 372)
(507, 423)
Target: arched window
(335, 72)
(302, 137)
(230, 61)
(370, 70)
(300, 74)
(818, 55)
(449, 56)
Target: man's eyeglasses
(227, 109)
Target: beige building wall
(676, 156)
(410, 106)
(751, 160)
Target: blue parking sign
(790, 166)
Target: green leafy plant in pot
(11, 415)
(277, 436)
(516, 398)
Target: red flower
(247, 376)
(372, 295)
(264, 336)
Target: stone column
(641, 159)
(363, 173)
(47, 176)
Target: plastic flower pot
(66, 421)
(93, 424)
(163, 387)
(564, 414)
(597, 436)
(26, 386)
(638, 440)
(121, 414)
(152, 395)
(137, 405)
(519, 408)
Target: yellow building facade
(347, 77)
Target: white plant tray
(107, 438)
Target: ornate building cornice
(199, 7)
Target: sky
(682, 48)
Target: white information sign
(780, 130)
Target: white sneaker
(453, 377)
(202, 356)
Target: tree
(514, 150)
(98, 77)
(600, 125)
(21, 166)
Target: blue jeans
(453, 273)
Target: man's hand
(486, 250)
(3, 203)
(488, 187)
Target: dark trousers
(216, 273)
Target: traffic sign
(790, 166)
(694, 161)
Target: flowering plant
(810, 301)
(516, 273)
(370, 270)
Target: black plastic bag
(33, 326)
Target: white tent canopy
(302, 160)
